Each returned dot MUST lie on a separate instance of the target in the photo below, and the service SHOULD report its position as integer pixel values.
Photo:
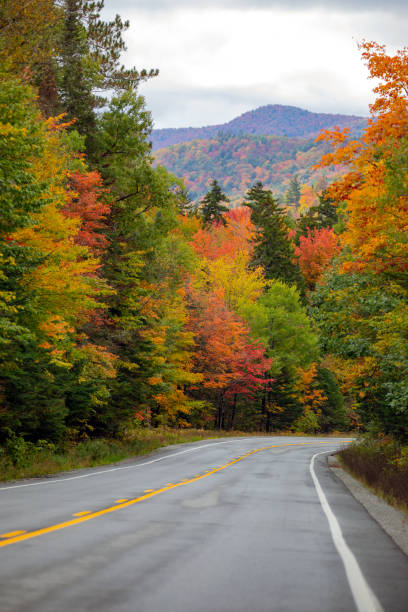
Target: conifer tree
(324, 215)
(293, 193)
(90, 50)
(211, 207)
(273, 250)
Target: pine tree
(332, 411)
(292, 195)
(184, 202)
(273, 250)
(76, 86)
(90, 50)
(324, 215)
(211, 208)
(283, 404)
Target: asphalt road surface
(255, 524)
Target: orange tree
(362, 307)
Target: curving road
(255, 524)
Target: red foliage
(225, 353)
(219, 240)
(315, 252)
(88, 203)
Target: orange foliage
(310, 397)
(224, 349)
(378, 224)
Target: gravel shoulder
(393, 521)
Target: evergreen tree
(76, 85)
(284, 406)
(88, 63)
(184, 202)
(292, 195)
(324, 215)
(273, 249)
(211, 207)
(333, 414)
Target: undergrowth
(22, 459)
(382, 464)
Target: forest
(123, 306)
(237, 162)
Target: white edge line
(364, 598)
(125, 467)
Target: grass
(382, 465)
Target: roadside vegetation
(23, 459)
(382, 464)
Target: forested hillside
(273, 119)
(239, 161)
(123, 308)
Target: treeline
(123, 306)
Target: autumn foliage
(315, 252)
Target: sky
(220, 58)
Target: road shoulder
(393, 521)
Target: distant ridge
(272, 119)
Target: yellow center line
(20, 536)
(119, 501)
(11, 534)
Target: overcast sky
(220, 58)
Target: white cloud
(218, 62)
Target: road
(234, 525)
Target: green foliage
(284, 405)
(211, 209)
(21, 141)
(90, 50)
(332, 413)
(292, 195)
(280, 320)
(273, 250)
(362, 319)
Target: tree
(211, 209)
(374, 188)
(332, 411)
(281, 322)
(293, 193)
(230, 362)
(323, 215)
(88, 63)
(28, 35)
(89, 203)
(315, 252)
(273, 250)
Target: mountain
(239, 161)
(273, 119)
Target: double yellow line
(20, 536)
